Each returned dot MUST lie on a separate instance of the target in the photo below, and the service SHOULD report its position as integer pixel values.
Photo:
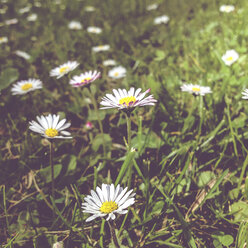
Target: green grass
(190, 165)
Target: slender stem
(200, 114)
(113, 235)
(52, 167)
(130, 170)
(99, 121)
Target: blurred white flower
(37, 4)
(94, 30)
(32, 17)
(100, 48)
(64, 69)
(245, 94)
(89, 8)
(84, 79)
(196, 89)
(108, 201)
(3, 40)
(123, 99)
(24, 10)
(109, 62)
(152, 7)
(161, 19)
(3, 10)
(230, 57)
(11, 21)
(22, 54)
(50, 127)
(25, 86)
(74, 25)
(227, 8)
(117, 72)
(58, 245)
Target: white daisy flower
(24, 10)
(37, 4)
(64, 69)
(74, 25)
(22, 54)
(108, 201)
(50, 127)
(84, 79)
(3, 40)
(32, 17)
(94, 30)
(25, 86)
(109, 62)
(100, 48)
(245, 94)
(230, 57)
(123, 99)
(58, 245)
(196, 89)
(3, 10)
(161, 19)
(227, 8)
(89, 8)
(11, 21)
(117, 72)
(152, 7)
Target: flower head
(11, 21)
(50, 127)
(32, 17)
(196, 89)
(117, 72)
(227, 8)
(100, 48)
(84, 78)
(64, 69)
(94, 30)
(89, 125)
(245, 94)
(230, 57)
(24, 10)
(89, 8)
(3, 39)
(108, 201)
(58, 245)
(25, 86)
(74, 25)
(152, 7)
(22, 54)
(127, 100)
(109, 62)
(161, 19)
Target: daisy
(22, 54)
(94, 30)
(108, 201)
(227, 8)
(161, 19)
(24, 10)
(117, 72)
(32, 17)
(50, 127)
(123, 99)
(84, 79)
(230, 57)
(64, 69)
(25, 86)
(196, 89)
(100, 48)
(3, 39)
(58, 245)
(109, 62)
(74, 25)
(245, 94)
(89, 8)
(152, 7)
(11, 21)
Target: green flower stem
(99, 121)
(113, 235)
(129, 146)
(200, 114)
(52, 167)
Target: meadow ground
(181, 147)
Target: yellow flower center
(127, 100)
(63, 69)
(229, 58)
(101, 47)
(227, 8)
(108, 207)
(86, 79)
(116, 74)
(27, 86)
(196, 89)
(51, 132)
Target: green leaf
(45, 173)
(99, 140)
(240, 211)
(8, 76)
(226, 240)
(93, 115)
(160, 55)
(204, 178)
(72, 165)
